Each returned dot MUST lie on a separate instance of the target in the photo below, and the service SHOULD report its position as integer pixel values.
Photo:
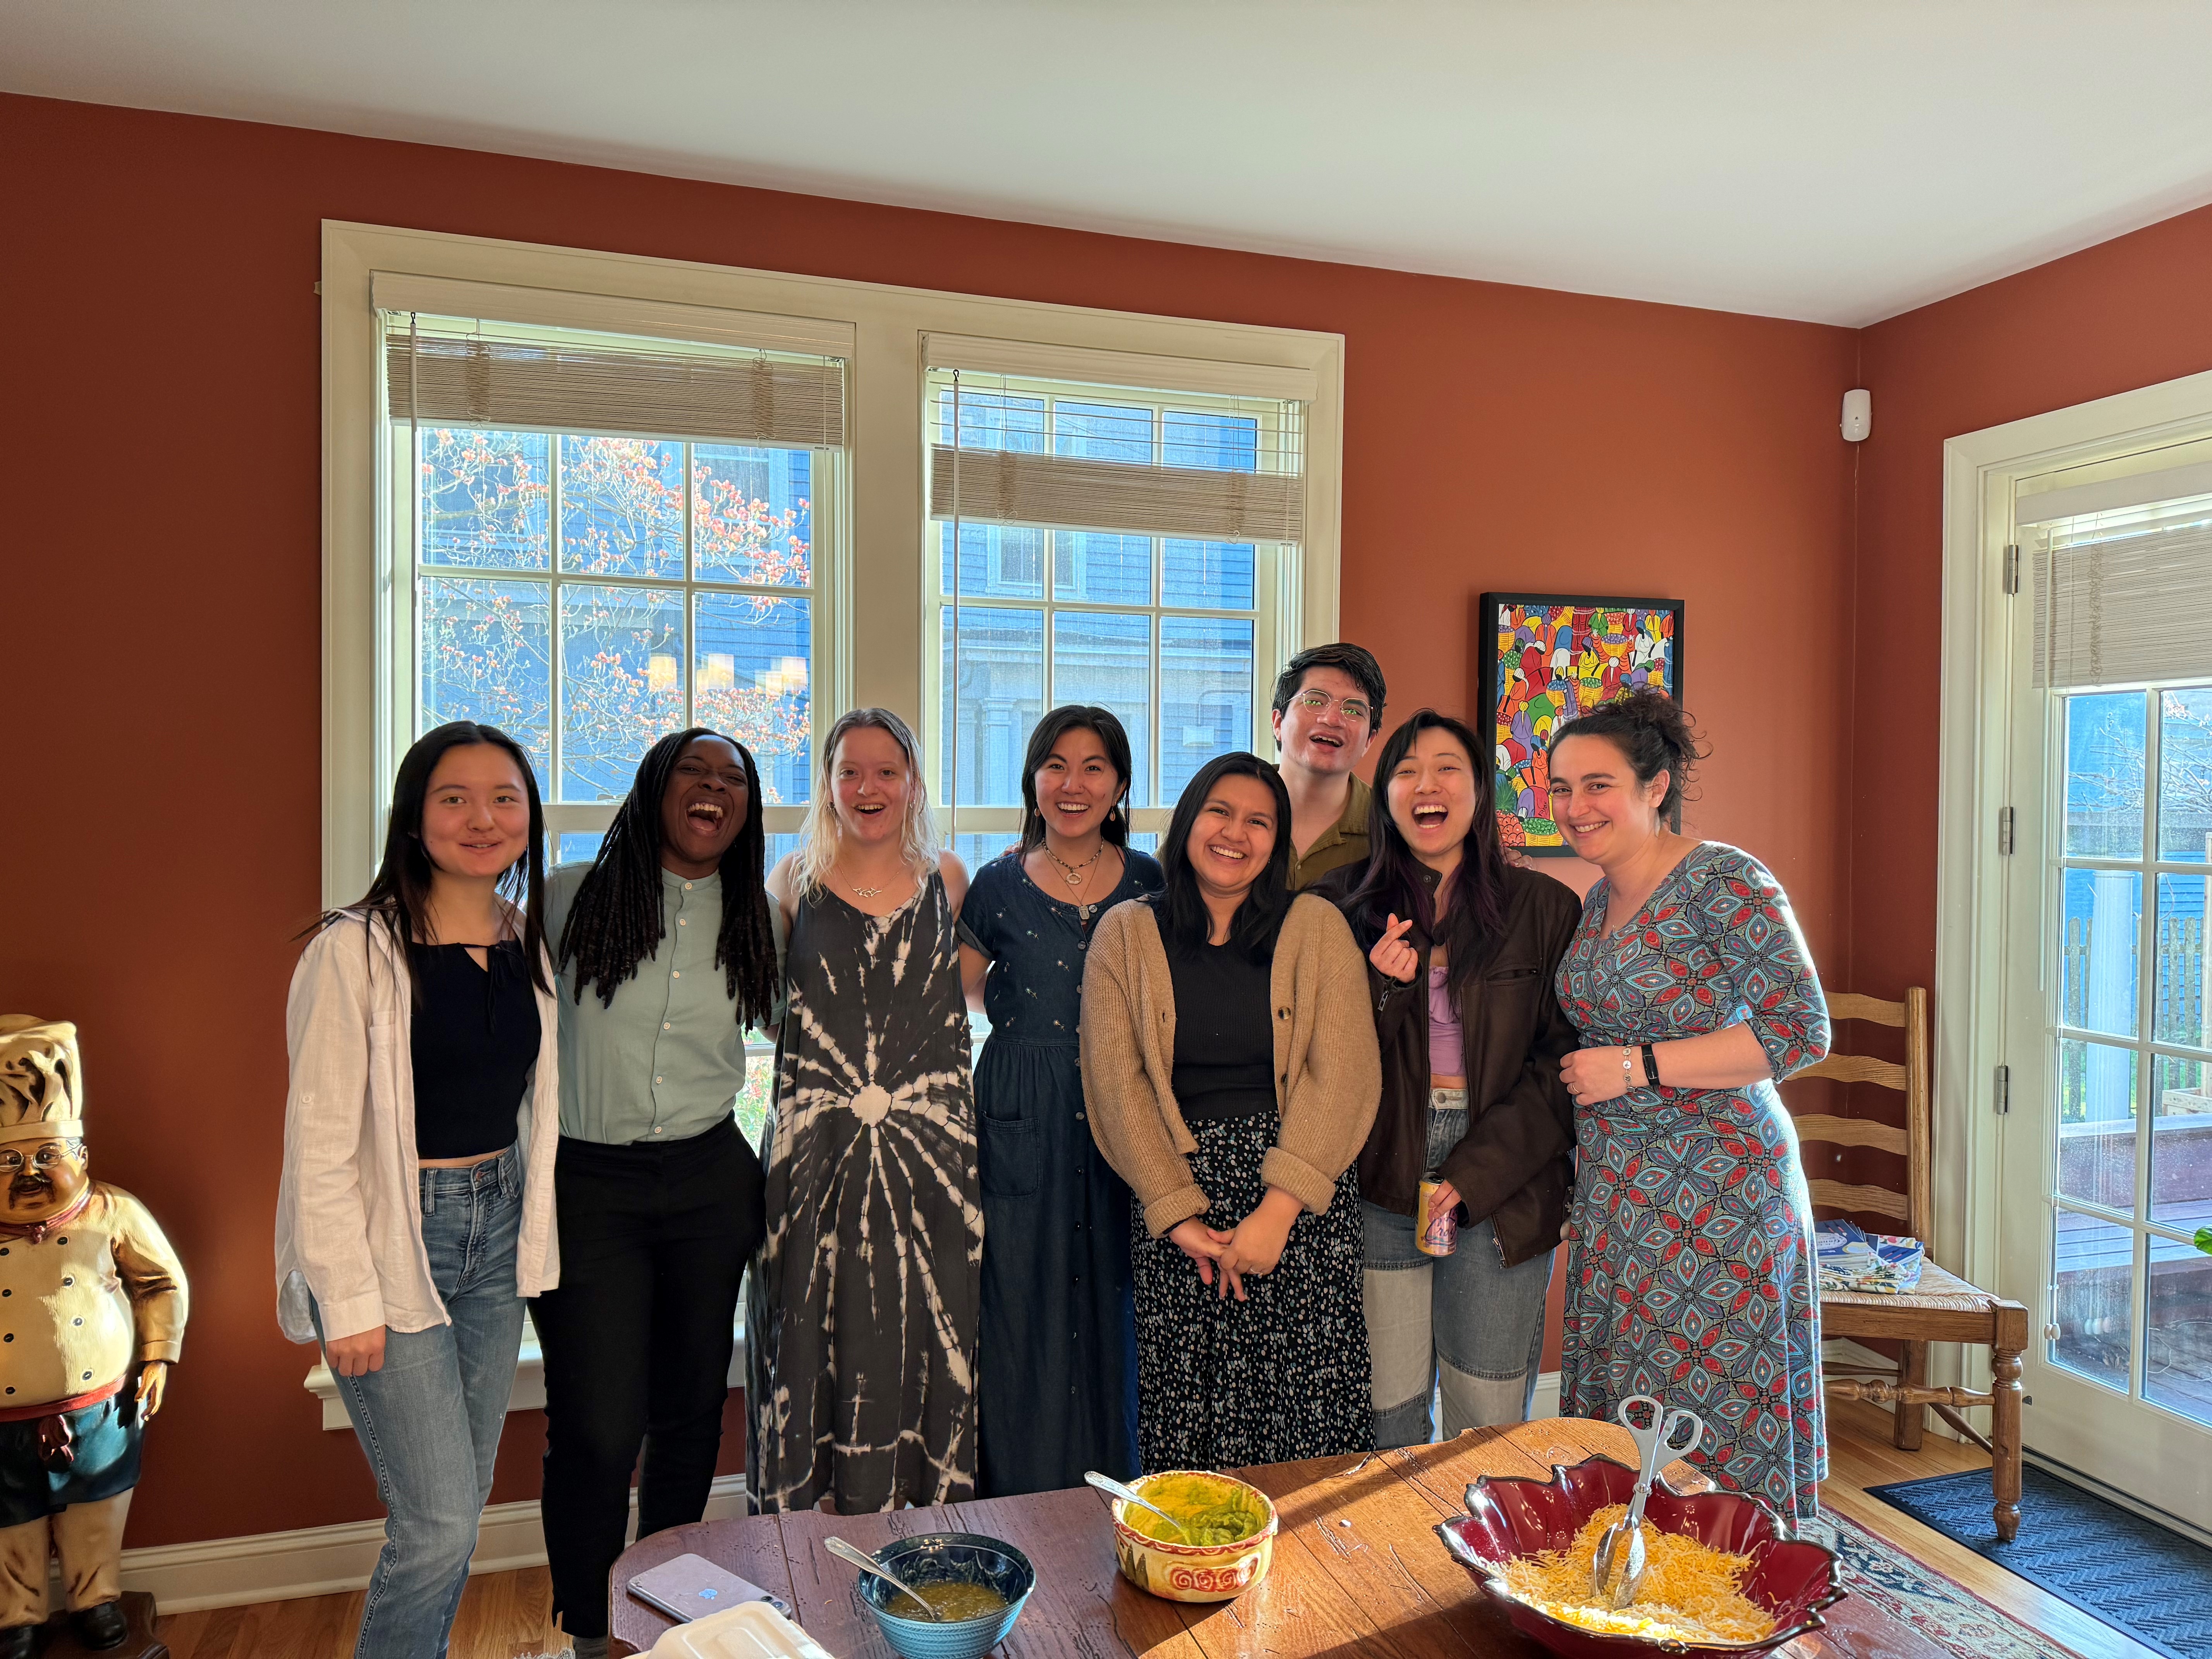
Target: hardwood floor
(507, 1615)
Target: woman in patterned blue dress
(1056, 1390)
(1690, 1271)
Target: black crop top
(1224, 1040)
(474, 1041)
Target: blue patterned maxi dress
(1689, 1268)
(1057, 1390)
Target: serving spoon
(867, 1563)
(1127, 1495)
(1618, 1572)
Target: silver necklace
(1076, 874)
(859, 891)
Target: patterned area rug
(1886, 1581)
(2125, 1571)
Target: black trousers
(654, 1239)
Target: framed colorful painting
(1548, 658)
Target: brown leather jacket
(1515, 1166)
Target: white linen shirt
(349, 1204)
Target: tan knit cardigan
(1329, 1073)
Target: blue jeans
(1464, 1327)
(429, 1420)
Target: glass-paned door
(2106, 1150)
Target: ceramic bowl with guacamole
(1231, 1536)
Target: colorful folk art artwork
(1550, 658)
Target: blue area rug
(2137, 1576)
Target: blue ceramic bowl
(939, 1557)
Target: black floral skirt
(1280, 1375)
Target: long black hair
(1057, 724)
(615, 922)
(1184, 923)
(399, 897)
(1475, 907)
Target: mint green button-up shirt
(666, 1060)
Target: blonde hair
(820, 834)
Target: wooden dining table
(1358, 1566)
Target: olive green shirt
(1343, 842)
(666, 1059)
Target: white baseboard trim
(278, 1566)
(1547, 1395)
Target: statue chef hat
(41, 1080)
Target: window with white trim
(596, 538)
(1092, 542)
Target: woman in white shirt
(416, 1210)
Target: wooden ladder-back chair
(1944, 1308)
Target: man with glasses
(1328, 707)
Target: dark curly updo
(1651, 728)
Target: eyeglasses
(1318, 702)
(12, 1161)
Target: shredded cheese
(1690, 1594)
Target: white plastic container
(754, 1630)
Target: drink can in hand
(1437, 1235)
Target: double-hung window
(1136, 546)
(596, 538)
(599, 538)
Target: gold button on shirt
(98, 1294)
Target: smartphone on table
(691, 1587)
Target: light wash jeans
(429, 1420)
(1464, 1327)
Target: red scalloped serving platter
(1508, 1518)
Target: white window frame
(1274, 615)
(877, 649)
(1980, 472)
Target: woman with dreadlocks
(860, 1323)
(668, 951)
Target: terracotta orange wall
(2126, 313)
(160, 846)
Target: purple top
(1447, 1044)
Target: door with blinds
(1109, 530)
(2106, 1138)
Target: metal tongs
(1618, 1572)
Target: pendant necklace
(1076, 874)
(859, 891)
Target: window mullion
(1160, 667)
(687, 665)
(2147, 1014)
(555, 676)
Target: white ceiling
(1839, 161)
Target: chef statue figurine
(92, 1310)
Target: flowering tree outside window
(589, 594)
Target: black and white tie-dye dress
(861, 1315)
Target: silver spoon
(1618, 1572)
(867, 1563)
(1114, 1488)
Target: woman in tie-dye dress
(861, 1317)
(1690, 1271)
